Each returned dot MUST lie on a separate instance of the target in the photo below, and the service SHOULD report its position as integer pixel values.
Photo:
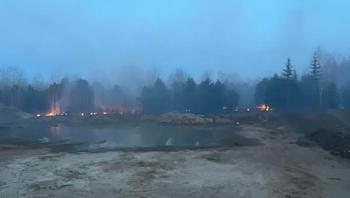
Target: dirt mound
(307, 122)
(184, 118)
(338, 143)
(223, 120)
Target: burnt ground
(279, 166)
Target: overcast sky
(94, 37)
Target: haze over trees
(289, 93)
(15, 92)
(81, 98)
(188, 96)
(326, 85)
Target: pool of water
(124, 137)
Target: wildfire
(55, 109)
(264, 107)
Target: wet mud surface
(276, 167)
(140, 137)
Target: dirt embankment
(184, 118)
(194, 119)
(337, 142)
(329, 129)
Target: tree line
(288, 92)
(320, 88)
(188, 96)
(34, 98)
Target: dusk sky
(92, 37)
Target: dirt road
(276, 168)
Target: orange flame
(55, 109)
(264, 107)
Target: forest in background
(325, 85)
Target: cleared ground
(276, 168)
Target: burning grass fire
(55, 109)
(264, 107)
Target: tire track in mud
(301, 183)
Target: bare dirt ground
(276, 168)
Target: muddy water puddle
(137, 137)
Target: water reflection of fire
(55, 130)
(264, 107)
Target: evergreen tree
(315, 67)
(155, 99)
(288, 72)
(314, 84)
(190, 94)
(290, 79)
(204, 97)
